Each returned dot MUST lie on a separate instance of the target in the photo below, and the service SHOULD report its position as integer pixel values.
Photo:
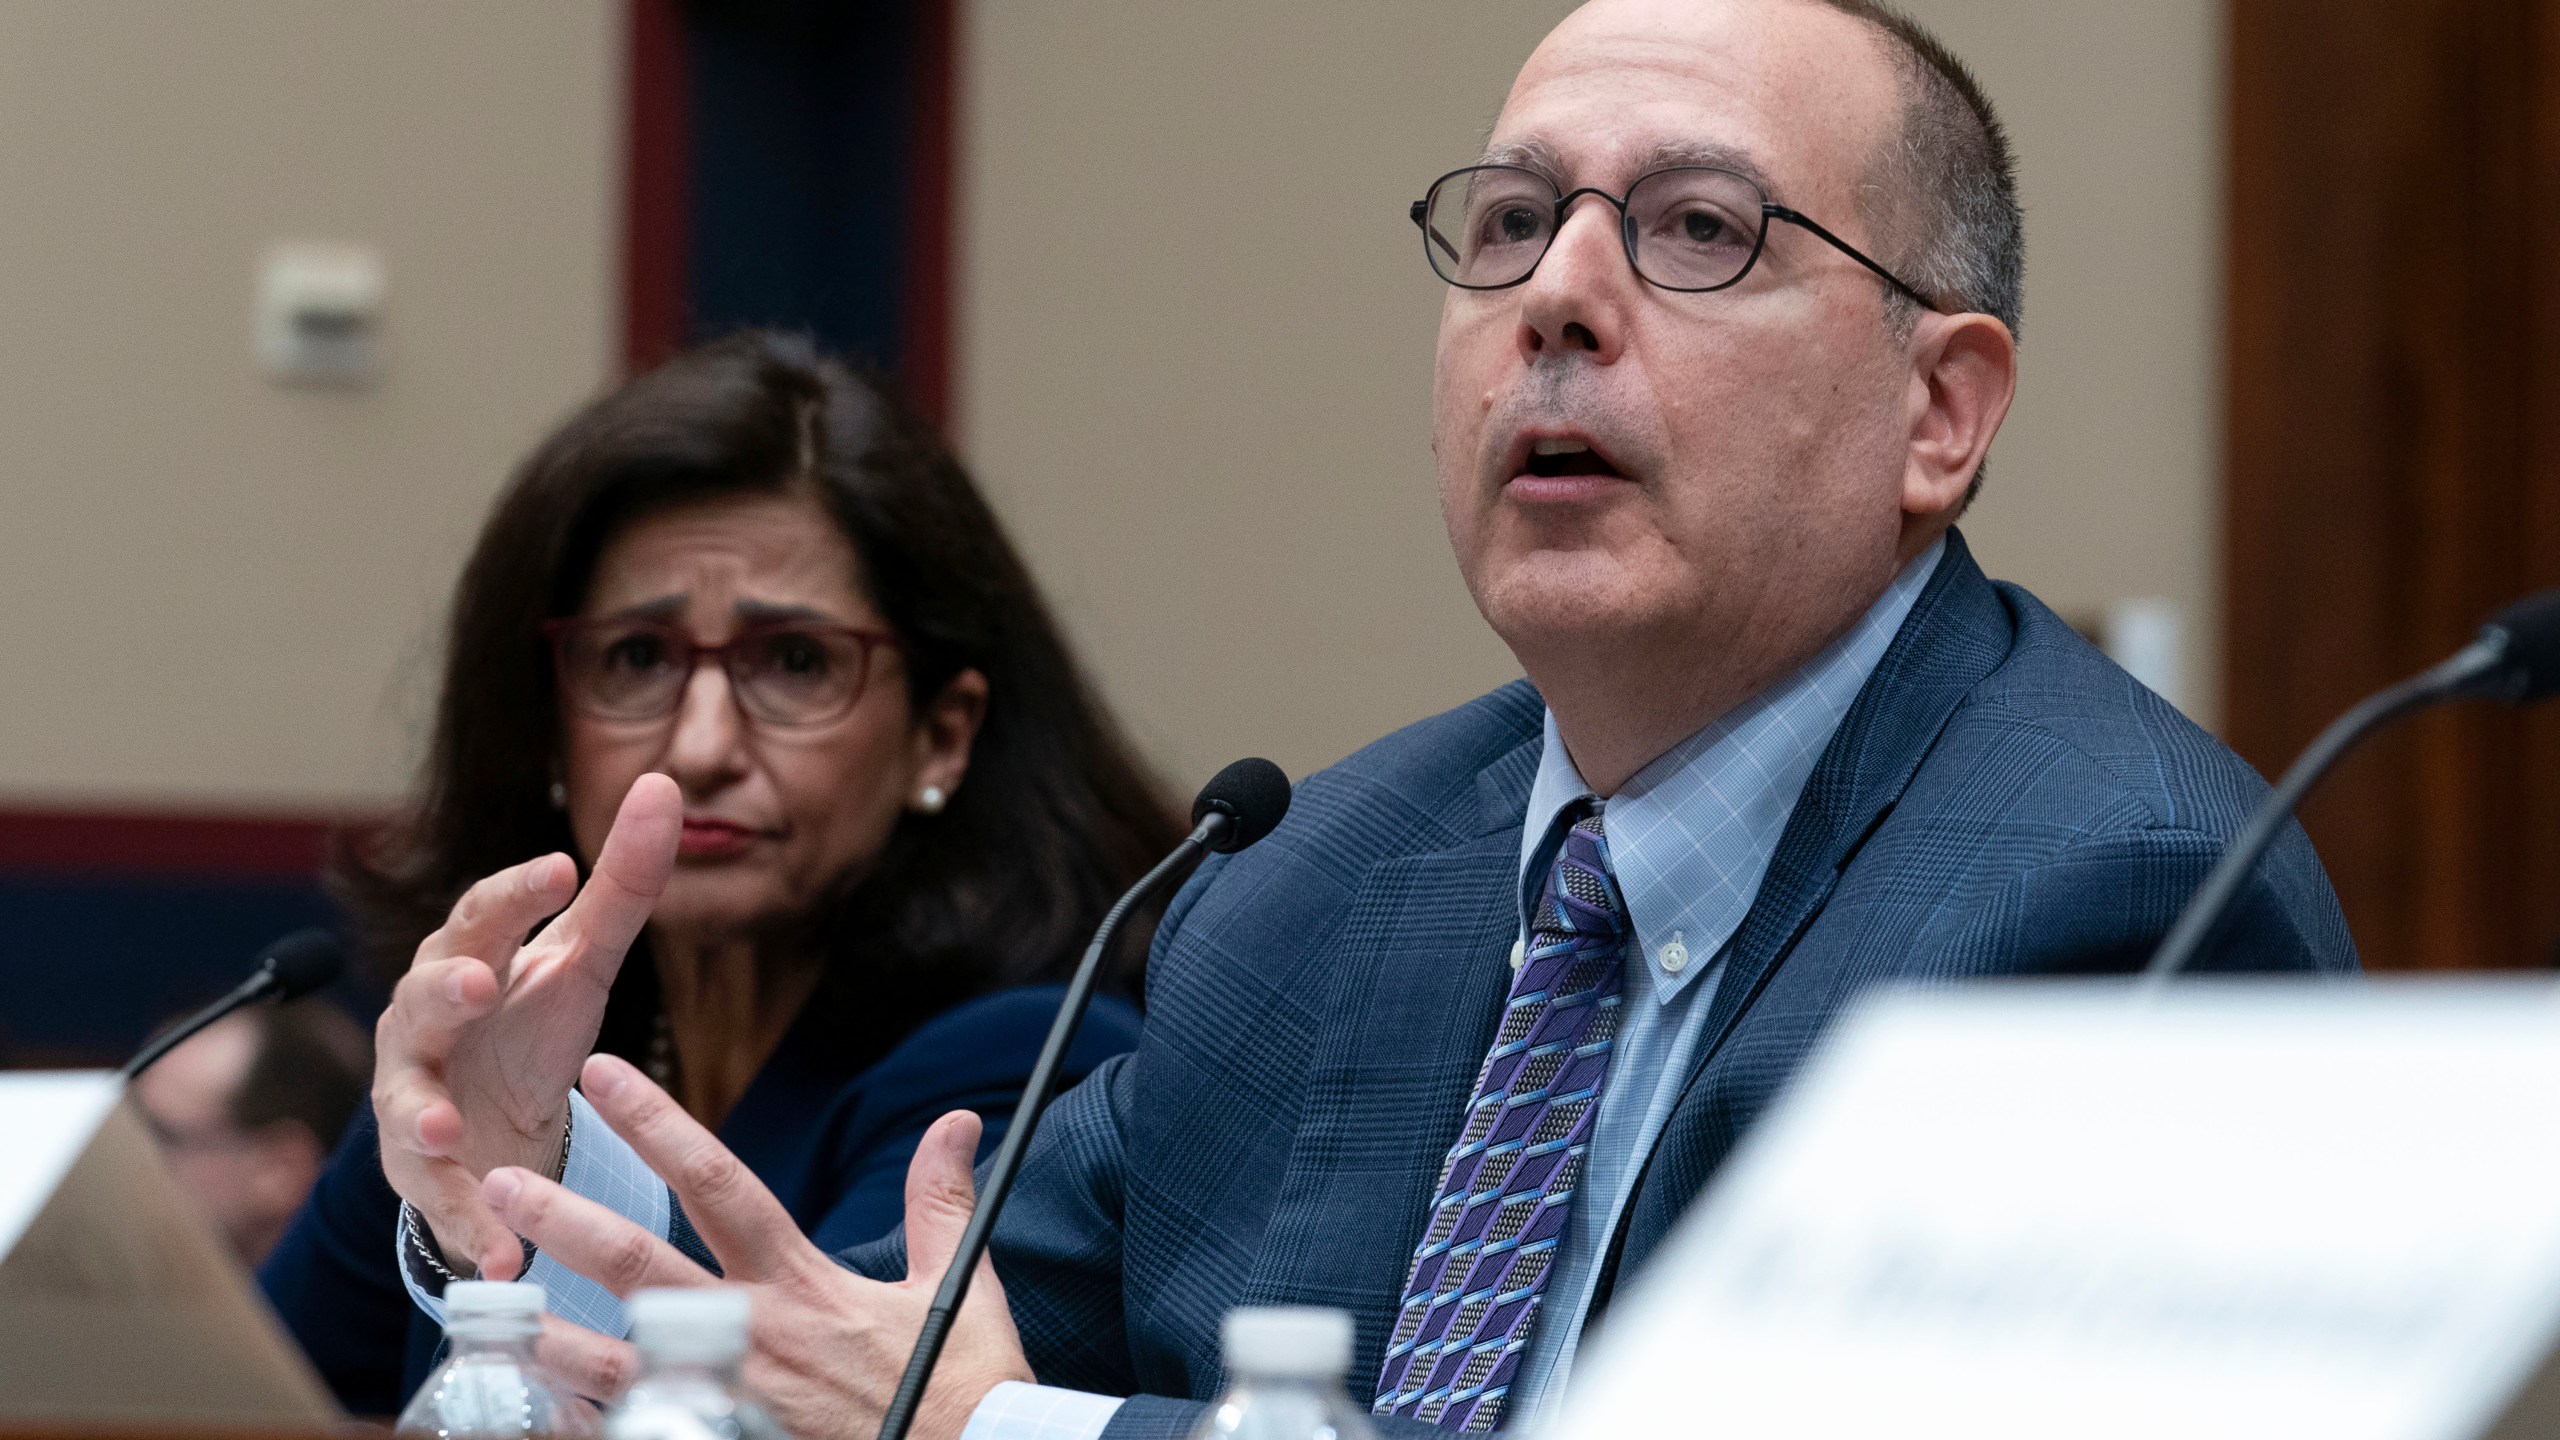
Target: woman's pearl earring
(932, 800)
(559, 795)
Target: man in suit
(1731, 326)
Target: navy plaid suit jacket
(2000, 799)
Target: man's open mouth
(1551, 458)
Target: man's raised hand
(483, 1037)
(828, 1345)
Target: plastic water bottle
(690, 1344)
(1284, 1378)
(490, 1386)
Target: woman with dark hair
(902, 808)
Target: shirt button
(1519, 952)
(1674, 957)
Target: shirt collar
(1692, 833)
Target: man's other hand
(828, 1345)
(483, 1037)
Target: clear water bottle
(490, 1386)
(1284, 1378)
(690, 1344)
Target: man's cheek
(1457, 423)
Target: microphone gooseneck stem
(2455, 677)
(246, 992)
(1017, 1136)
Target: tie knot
(1582, 891)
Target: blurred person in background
(248, 1110)
(750, 590)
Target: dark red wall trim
(109, 842)
(925, 329)
(657, 198)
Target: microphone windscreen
(1252, 793)
(303, 962)
(2532, 627)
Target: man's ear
(1964, 373)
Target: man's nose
(1575, 300)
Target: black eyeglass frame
(1420, 212)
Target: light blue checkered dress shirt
(1690, 837)
(607, 1171)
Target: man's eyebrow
(1714, 155)
(1533, 154)
(1536, 154)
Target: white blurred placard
(2043, 1210)
(118, 1305)
(45, 1123)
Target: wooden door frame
(2394, 200)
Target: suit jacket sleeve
(2101, 904)
(1161, 1417)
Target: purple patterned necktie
(1506, 1191)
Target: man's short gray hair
(1947, 210)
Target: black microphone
(2516, 659)
(288, 969)
(1238, 806)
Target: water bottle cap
(701, 1326)
(493, 1300)
(1296, 1341)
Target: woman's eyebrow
(662, 608)
(766, 610)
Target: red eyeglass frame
(560, 631)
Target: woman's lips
(710, 839)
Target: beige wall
(1217, 455)
(2107, 480)
(220, 591)
(215, 589)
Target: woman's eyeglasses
(783, 673)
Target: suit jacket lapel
(1420, 971)
(1957, 633)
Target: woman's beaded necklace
(660, 1062)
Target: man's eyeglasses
(785, 673)
(1689, 228)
